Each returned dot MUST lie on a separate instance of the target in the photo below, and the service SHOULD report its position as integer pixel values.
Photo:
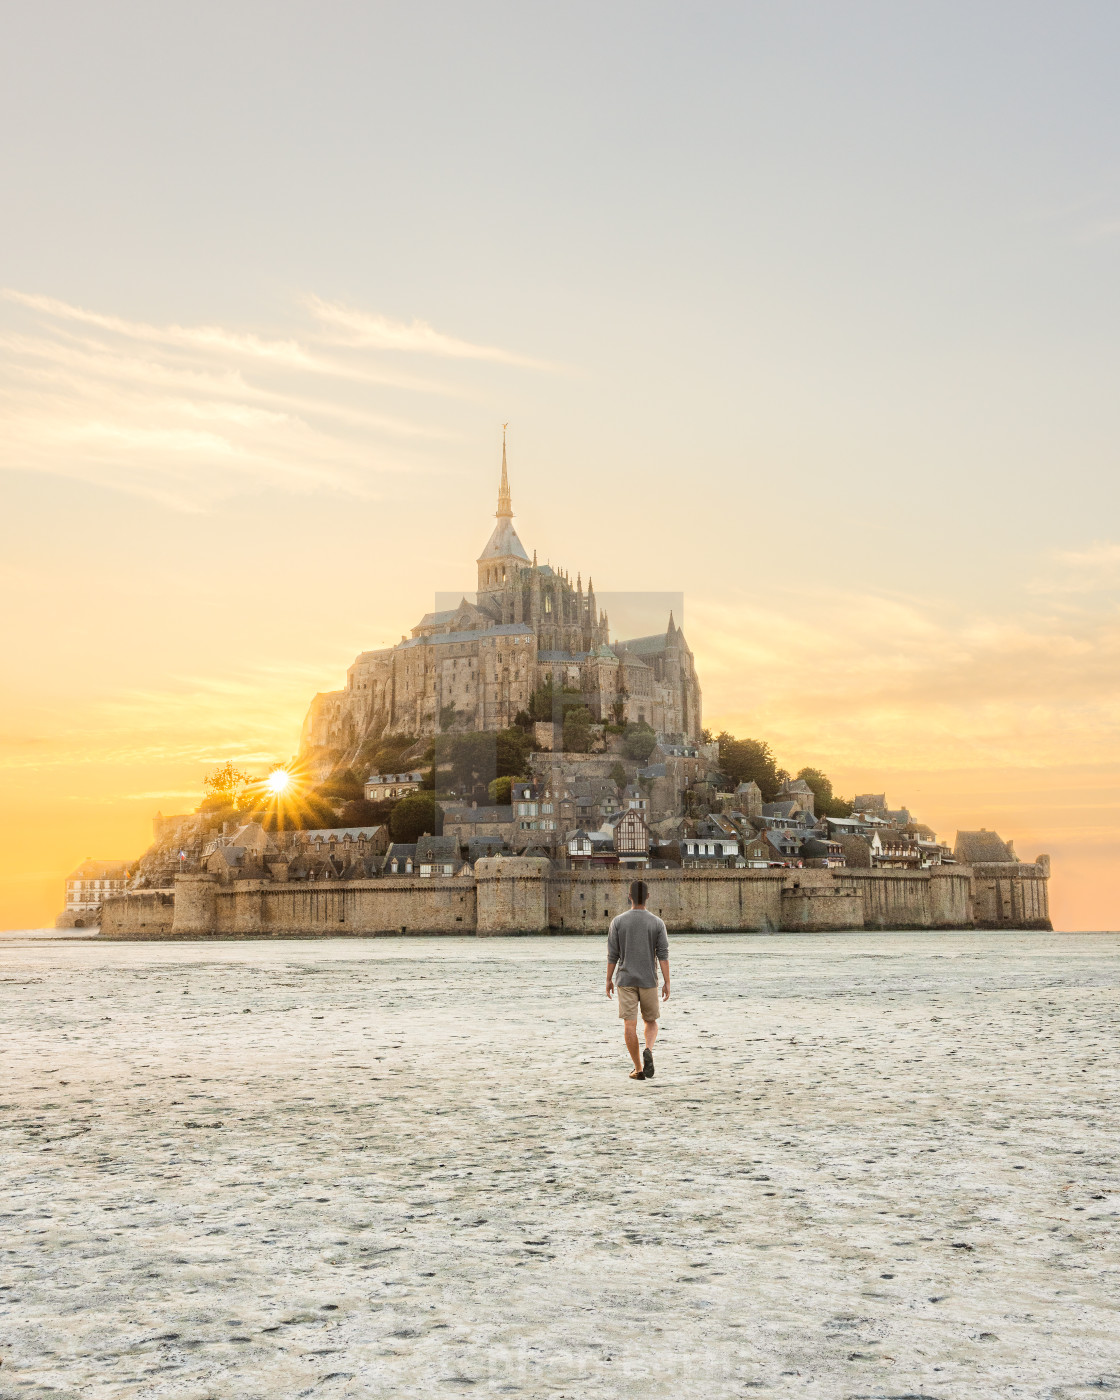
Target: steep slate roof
(484, 846)
(647, 645)
(504, 629)
(484, 816)
(857, 852)
(437, 848)
(324, 833)
(99, 870)
(973, 846)
(504, 542)
(870, 802)
(361, 869)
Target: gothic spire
(505, 509)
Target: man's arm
(612, 955)
(664, 978)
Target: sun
(278, 782)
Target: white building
(87, 886)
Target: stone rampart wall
(1011, 896)
(937, 898)
(526, 896)
(407, 904)
(144, 914)
(586, 900)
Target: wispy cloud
(251, 715)
(223, 344)
(189, 415)
(343, 325)
(875, 680)
(1094, 569)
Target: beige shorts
(630, 998)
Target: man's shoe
(647, 1063)
(637, 1074)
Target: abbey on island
(558, 853)
(475, 667)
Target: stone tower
(500, 563)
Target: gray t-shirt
(635, 941)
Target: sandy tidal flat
(868, 1166)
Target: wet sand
(869, 1166)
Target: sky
(806, 312)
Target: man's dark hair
(639, 892)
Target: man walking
(636, 942)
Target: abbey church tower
(501, 562)
(475, 667)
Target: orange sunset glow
(844, 381)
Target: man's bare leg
(651, 1033)
(630, 1031)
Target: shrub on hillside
(414, 816)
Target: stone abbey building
(476, 666)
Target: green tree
(500, 791)
(618, 775)
(540, 702)
(225, 786)
(577, 730)
(639, 742)
(825, 802)
(511, 753)
(414, 816)
(546, 703)
(343, 785)
(361, 813)
(744, 760)
(447, 715)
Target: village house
(436, 856)
(819, 853)
(382, 787)
(786, 846)
(86, 886)
(592, 848)
(629, 831)
(346, 842)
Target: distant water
(50, 933)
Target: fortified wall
(526, 895)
